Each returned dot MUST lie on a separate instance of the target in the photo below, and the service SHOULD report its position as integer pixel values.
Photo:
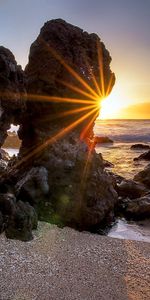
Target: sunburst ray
(45, 98)
(87, 127)
(69, 68)
(101, 69)
(77, 89)
(68, 113)
(93, 78)
(109, 85)
(54, 138)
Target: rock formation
(144, 176)
(145, 156)
(12, 92)
(140, 147)
(134, 196)
(137, 209)
(64, 62)
(58, 172)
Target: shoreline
(67, 264)
(122, 228)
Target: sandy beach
(69, 265)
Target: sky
(122, 25)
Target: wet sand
(65, 264)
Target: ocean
(124, 133)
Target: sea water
(124, 134)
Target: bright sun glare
(111, 106)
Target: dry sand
(65, 264)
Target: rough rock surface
(145, 156)
(12, 89)
(17, 218)
(144, 177)
(56, 171)
(131, 189)
(68, 190)
(134, 196)
(140, 147)
(4, 159)
(137, 209)
(21, 222)
(4, 155)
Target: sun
(110, 106)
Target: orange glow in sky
(122, 104)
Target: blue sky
(122, 25)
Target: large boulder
(22, 222)
(137, 209)
(71, 188)
(12, 94)
(144, 176)
(144, 156)
(140, 147)
(17, 218)
(7, 207)
(131, 189)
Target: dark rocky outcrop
(17, 218)
(21, 222)
(140, 147)
(102, 140)
(144, 176)
(136, 209)
(4, 158)
(12, 87)
(134, 196)
(68, 191)
(80, 192)
(144, 156)
(58, 171)
(131, 189)
(108, 164)
(63, 63)
(4, 155)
